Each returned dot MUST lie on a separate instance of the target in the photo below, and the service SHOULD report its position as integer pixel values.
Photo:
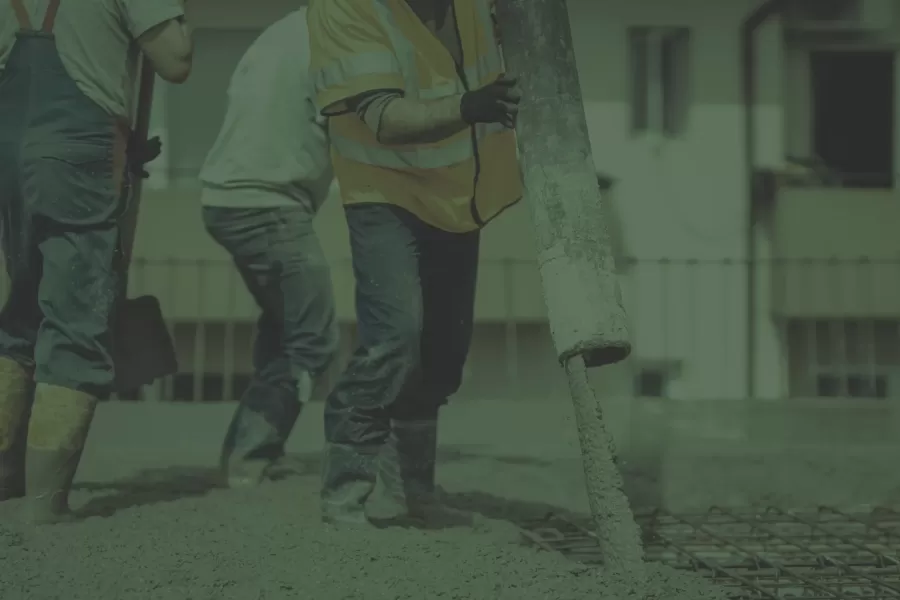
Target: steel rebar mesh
(770, 554)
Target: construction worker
(66, 89)
(421, 121)
(265, 178)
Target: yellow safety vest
(358, 46)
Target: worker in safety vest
(66, 89)
(421, 120)
(265, 178)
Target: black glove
(142, 152)
(497, 102)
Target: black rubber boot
(15, 397)
(57, 432)
(407, 467)
(348, 479)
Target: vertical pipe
(757, 18)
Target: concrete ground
(159, 526)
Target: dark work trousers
(280, 260)
(415, 295)
(62, 169)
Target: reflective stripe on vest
(405, 53)
(490, 62)
(373, 63)
(437, 156)
(419, 158)
(386, 63)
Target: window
(652, 379)
(650, 383)
(659, 61)
(212, 386)
(853, 109)
(843, 358)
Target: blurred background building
(748, 154)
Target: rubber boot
(259, 431)
(15, 394)
(57, 432)
(406, 468)
(245, 464)
(348, 480)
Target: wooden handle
(140, 131)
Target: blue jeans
(280, 260)
(415, 296)
(62, 191)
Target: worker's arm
(399, 120)
(355, 69)
(162, 35)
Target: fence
(821, 328)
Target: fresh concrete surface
(675, 455)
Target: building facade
(747, 179)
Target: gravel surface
(160, 528)
(268, 543)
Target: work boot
(15, 394)
(348, 479)
(406, 468)
(57, 432)
(259, 431)
(245, 464)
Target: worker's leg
(73, 361)
(279, 258)
(448, 269)
(389, 316)
(74, 192)
(20, 318)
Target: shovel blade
(144, 351)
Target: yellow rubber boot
(15, 394)
(57, 432)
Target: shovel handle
(140, 132)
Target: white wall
(685, 198)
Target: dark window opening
(853, 116)
(851, 386)
(659, 62)
(650, 383)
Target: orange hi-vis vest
(359, 46)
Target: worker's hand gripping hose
(497, 102)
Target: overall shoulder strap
(24, 20)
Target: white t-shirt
(272, 149)
(96, 42)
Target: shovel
(142, 347)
